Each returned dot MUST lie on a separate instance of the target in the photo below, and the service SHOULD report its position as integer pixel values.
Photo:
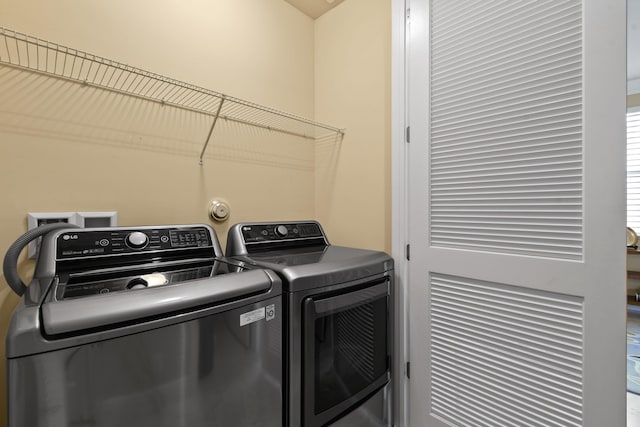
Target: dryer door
(346, 354)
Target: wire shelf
(31, 53)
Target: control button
(104, 242)
(265, 232)
(282, 231)
(137, 240)
(164, 239)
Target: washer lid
(81, 285)
(60, 317)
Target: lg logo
(70, 237)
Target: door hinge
(408, 370)
(408, 134)
(408, 252)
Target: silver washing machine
(145, 326)
(338, 305)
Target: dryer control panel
(280, 231)
(246, 238)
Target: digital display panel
(189, 238)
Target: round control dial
(137, 240)
(281, 231)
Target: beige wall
(352, 81)
(65, 147)
(633, 100)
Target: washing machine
(339, 311)
(145, 326)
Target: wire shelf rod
(195, 110)
(22, 50)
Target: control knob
(281, 231)
(137, 240)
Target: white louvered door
(516, 212)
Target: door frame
(399, 210)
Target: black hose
(10, 264)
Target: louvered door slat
(506, 127)
(509, 353)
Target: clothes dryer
(338, 340)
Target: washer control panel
(84, 243)
(252, 233)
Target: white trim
(418, 107)
(399, 207)
(604, 176)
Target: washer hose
(9, 266)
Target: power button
(137, 240)
(282, 231)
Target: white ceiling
(315, 8)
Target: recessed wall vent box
(36, 219)
(82, 219)
(97, 219)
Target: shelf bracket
(213, 125)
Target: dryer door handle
(351, 299)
